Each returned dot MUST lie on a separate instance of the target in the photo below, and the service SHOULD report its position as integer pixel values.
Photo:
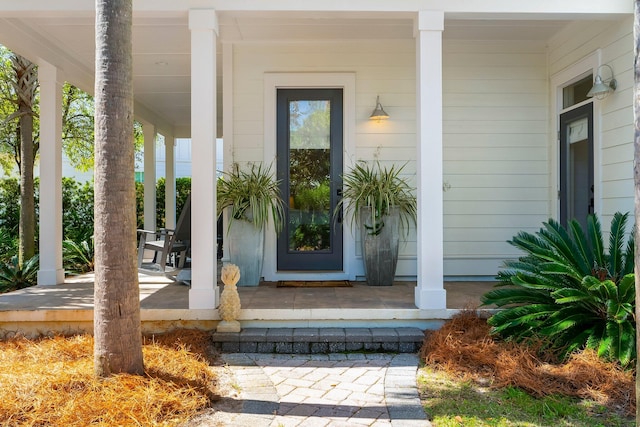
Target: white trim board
(561, 79)
(346, 82)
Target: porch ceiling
(162, 82)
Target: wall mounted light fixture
(378, 113)
(603, 87)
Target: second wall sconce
(378, 113)
(603, 87)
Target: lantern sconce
(378, 113)
(603, 87)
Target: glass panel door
(576, 165)
(309, 167)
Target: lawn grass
(455, 402)
(471, 378)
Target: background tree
(9, 138)
(78, 112)
(117, 331)
(78, 127)
(25, 85)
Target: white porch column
(430, 293)
(203, 24)
(149, 132)
(51, 271)
(170, 182)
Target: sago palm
(569, 290)
(15, 276)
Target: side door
(576, 165)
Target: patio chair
(170, 246)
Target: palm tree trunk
(118, 340)
(636, 176)
(25, 86)
(27, 225)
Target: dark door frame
(584, 111)
(325, 261)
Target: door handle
(339, 194)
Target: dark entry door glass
(309, 134)
(576, 165)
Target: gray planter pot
(380, 251)
(246, 248)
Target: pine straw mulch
(49, 381)
(464, 348)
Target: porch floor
(161, 293)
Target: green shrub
(569, 291)
(9, 204)
(139, 205)
(183, 188)
(13, 277)
(10, 209)
(77, 209)
(8, 244)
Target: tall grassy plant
(78, 257)
(252, 195)
(379, 188)
(569, 290)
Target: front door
(309, 167)
(576, 165)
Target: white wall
(385, 68)
(614, 171)
(496, 173)
(498, 142)
(496, 131)
(182, 157)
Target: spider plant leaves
(379, 188)
(252, 195)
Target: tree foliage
(78, 113)
(77, 130)
(183, 189)
(25, 85)
(569, 290)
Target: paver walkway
(352, 389)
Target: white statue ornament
(229, 308)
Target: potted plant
(253, 198)
(380, 202)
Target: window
(576, 92)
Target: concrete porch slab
(164, 305)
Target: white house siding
(496, 134)
(496, 150)
(615, 168)
(385, 68)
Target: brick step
(319, 340)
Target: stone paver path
(327, 390)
